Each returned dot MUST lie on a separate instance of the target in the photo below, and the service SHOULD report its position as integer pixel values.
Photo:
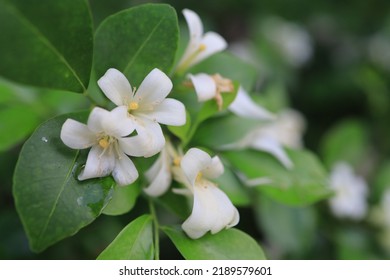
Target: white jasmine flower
(105, 132)
(243, 106)
(200, 45)
(285, 130)
(159, 175)
(212, 210)
(350, 199)
(210, 87)
(147, 107)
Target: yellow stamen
(199, 176)
(133, 106)
(176, 161)
(202, 47)
(104, 143)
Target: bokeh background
(328, 59)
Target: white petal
(272, 146)
(245, 107)
(205, 86)
(124, 172)
(214, 43)
(153, 89)
(117, 123)
(116, 87)
(193, 162)
(77, 135)
(96, 119)
(212, 211)
(99, 163)
(159, 176)
(169, 112)
(149, 141)
(215, 169)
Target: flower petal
(77, 135)
(116, 87)
(215, 169)
(169, 112)
(272, 146)
(245, 107)
(205, 86)
(193, 162)
(149, 141)
(124, 172)
(117, 123)
(96, 119)
(159, 176)
(212, 211)
(153, 89)
(213, 42)
(99, 163)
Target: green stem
(156, 227)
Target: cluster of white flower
(133, 129)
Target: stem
(156, 227)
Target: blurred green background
(330, 60)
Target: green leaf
(230, 244)
(237, 69)
(46, 43)
(51, 202)
(288, 229)
(136, 40)
(182, 131)
(347, 141)
(134, 242)
(16, 123)
(306, 183)
(123, 199)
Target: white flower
(159, 175)
(147, 107)
(212, 210)
(105, 132)
(200, 45)
(351, 193)
(285, 130)
(243, 106)
(210, 87)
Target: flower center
(176, 161)
(104, 142)
(133, 106)
(202, 47)
(199, 177)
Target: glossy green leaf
(287, 229)
(51, 202)
(230, 244)
(136, 40)
(123, 199)
(229, 66)
(134, 242)
(16, 123)
(306, 183)
(46, 43)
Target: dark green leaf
(51, 202)
(230, 244)
(134, 242)
(46, 43)
(136, 40)
(306, 183)
(123, 199)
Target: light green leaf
(229, 66)
(51, 202)
(182, 131)
(16, 123)
(123, 199)
(347, 141)
(288, 229)
(134, 242)
(306, 183)
(136, 40)
(46, 43)
(230, 244)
